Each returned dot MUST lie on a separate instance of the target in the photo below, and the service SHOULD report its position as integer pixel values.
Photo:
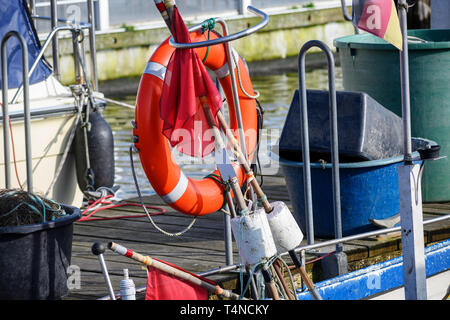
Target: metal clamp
(226, 38)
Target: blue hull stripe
(379, 277)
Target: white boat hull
(53, 118)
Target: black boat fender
(98, 170)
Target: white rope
(240, 82)
(119, 103)
(145, 209)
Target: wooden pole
(221, 146)
(146, 260)
(241, 158)
(277, 267)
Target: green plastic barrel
(371, 65)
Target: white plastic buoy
(285, 230)
(127, 287)
(253, 237)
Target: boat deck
(202, 248)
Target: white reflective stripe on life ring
(156, 69)
(177, 192)
(224, 71)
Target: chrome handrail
(44, 47)
(89, 25)
(26, 105)
(333, 139)
(227, 38)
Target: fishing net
(19, 207)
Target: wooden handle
(270, 284)
(311, 287)
(146, 260)
(243, 161)
(277, 267)
(221, 145)
(306, 278)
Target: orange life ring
(189, 196)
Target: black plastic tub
(366, 129)
(34, 258)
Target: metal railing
(47, 42)
(333, 139)
(5, 111)
(71, 24)
(226, 37)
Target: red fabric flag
(163, 286)
(185, 82)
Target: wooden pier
(202, 248)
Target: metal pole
(404, 73)
(99, 249)
(411, 215)
(243, 4)
(305, 149)
(33, 7)
(236, 102)
(103, 14)
(334, 146)
(26, 104)
(237, 106)
(229, 206)
(76, 57)
(92, 47)
(228, 231)
(27, 116)
(5, 114)
(55, 50)
(346, 16)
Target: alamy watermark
(73, 277)
(193, 143)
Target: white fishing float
(254, 237)
(285, 230)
